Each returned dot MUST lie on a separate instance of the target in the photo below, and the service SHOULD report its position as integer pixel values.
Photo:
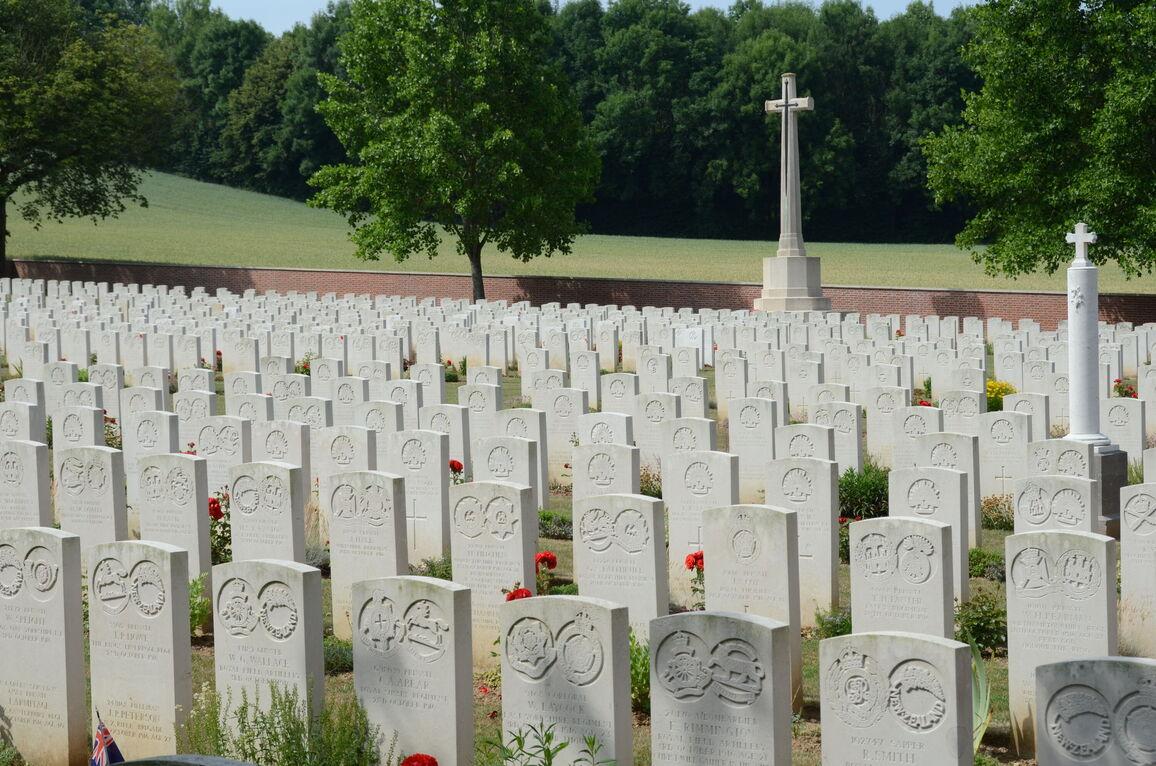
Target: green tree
(1062, 130)
(926, 80)
(81, 111)
(211, 53)
(273, 138)
(454, 116)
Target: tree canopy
(1061, 131)
(672, 99)
(453, 115)
(86, 100)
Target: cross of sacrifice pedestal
(791, 280)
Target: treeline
(673, 100)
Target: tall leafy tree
(453, 116)
(1060, 131)
(926, 76)
(82, 110)
(647, 60)
(211, 53)
(273, 138)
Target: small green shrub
(452, 375)
(980, 698)
(281, 732)
(82, 375)
(302, 366)
(1135, 472)
(639, 675)
(200, 610)
(982, 621)
(555, 526)
(986, 564)
(837, 622)
(564, 589)
(997, 512)
(112, 435)
(9, 755)
(317, 555)
(441, 568)
(983, 759)
(996, 391)
(338, 655)
(650, 482)
(536, 746)
(845, 539)
(863, 494)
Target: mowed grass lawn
(204, 224)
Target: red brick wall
(1046, 308)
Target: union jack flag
(104, 749)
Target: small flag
(104, 749)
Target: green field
(197, 223)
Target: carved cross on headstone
(696, 543)
(414, 518)
(1004, 477)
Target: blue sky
(279, 15)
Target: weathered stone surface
(267, 631)
(412, 664)
(566, 660)
(892, 697)
(42, 675)
(720, 689)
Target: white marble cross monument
(791, 281)
(1083, 344)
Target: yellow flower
(996, 391)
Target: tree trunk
(474, 253)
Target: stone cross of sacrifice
(790, 212)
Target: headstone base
(792, 283)
(1113, 471)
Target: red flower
(924, 403)
(545, 558)
(449, 362)
(456, 466)
(215, 512)
(218, 353)
(694, 561)
(899, 333)
(518, 593)
(420, 759)
(493, 714)
(483, 690)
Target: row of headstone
(720, 680)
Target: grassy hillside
(191, 222)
